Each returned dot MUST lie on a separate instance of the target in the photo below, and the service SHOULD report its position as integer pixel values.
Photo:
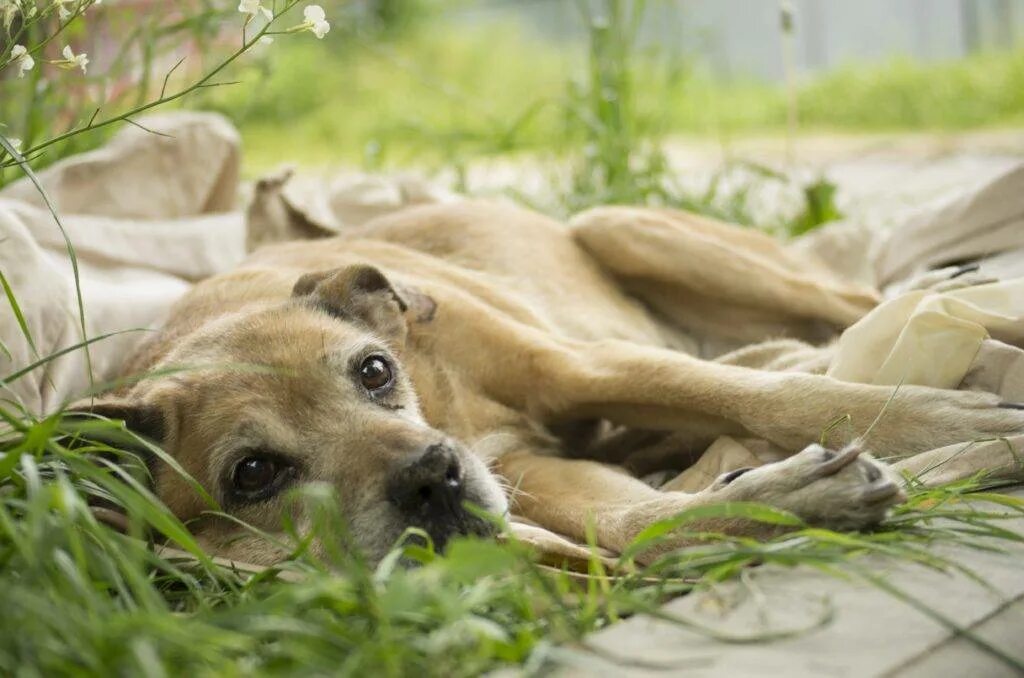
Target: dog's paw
(844, 490)
(919, 419)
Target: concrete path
(880, 177)
(872, 633)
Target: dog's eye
(259, 476)
(375, 374)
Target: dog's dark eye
(375, 374)
(259, 476)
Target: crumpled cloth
(984, 221)
(149, 215)
(934, 339)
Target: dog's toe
(879, 491)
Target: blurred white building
(742, 37)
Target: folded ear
(140, 418)
(359, 294)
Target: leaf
(661, 530)
(18, 316)
(470, 559)
(18, 374)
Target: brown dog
(434, 356)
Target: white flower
(22, 59)
(254, 7)
(8, 8)
(314, 13)
(266, 40)
(63, 11)
(316, 20)
(72, 60)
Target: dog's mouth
(442, 530)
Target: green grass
(426, 97)
(440, 99)
(84, 598)
(982, 90)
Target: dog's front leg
(841, 490)
(553, 380)
(654, 388)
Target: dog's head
(310, 390)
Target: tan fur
(518, 334)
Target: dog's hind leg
(725, 285)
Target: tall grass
(83, 597)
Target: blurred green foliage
(437, 92)
(423, 95)
(440, 94)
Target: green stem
(157, 102)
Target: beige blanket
(148, 215)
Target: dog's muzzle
(431, 485)
(430, 493)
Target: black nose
(431, 486)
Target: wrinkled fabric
(930, 339)
(147, 216)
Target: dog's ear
(141, 418)
(360, 294)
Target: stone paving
(871, 632)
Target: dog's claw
(727, 478)
(966, 268)
(834, 463)
(881, 490)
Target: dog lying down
(479, 353)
